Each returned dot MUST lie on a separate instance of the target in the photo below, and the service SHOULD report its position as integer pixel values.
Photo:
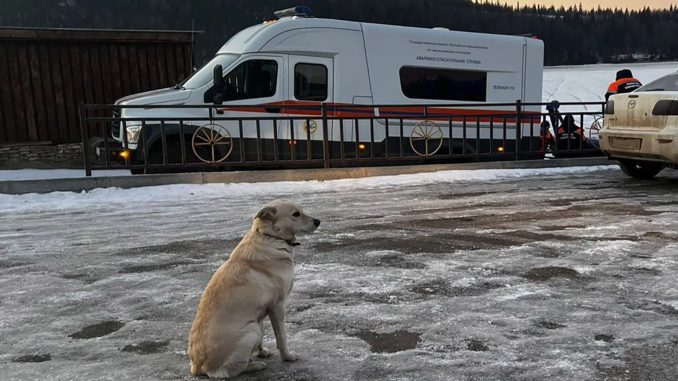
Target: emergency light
(300, 11)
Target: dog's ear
(267, 213)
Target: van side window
(251, 79)
(310, 82)
(444, 84)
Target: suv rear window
(667, 83)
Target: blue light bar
(300, 11)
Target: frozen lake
(553, 274)
(588, 83)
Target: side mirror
(219, 85)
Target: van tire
(640, 169)
(192, 163)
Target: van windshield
(202, 76)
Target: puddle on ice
(33, 358)
(540, 274)
(97, 330)
(146, 347)
(392, 342)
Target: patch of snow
(585, 270)
(520, 291)
(45, 174)
(618, 247)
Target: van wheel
(174, 157)
(154, 156)
(640, 169)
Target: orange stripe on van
(347, 110)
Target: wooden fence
(46, 73)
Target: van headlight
(133, 133)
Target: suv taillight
(609, 107)
(665, 107)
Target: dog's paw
(254, 366)
(264, 353)
(289, 356)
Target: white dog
(253, 283)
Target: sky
(588, 4)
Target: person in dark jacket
(625, 83)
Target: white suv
(641, 128)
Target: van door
(254, 88)
(311, 84)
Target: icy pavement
(556, 274)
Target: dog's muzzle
(316, 222)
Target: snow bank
(186, 192)
(40, 174)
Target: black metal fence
(152, 138)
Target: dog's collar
(288, 242)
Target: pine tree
(571, 36)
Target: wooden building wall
(46, 73)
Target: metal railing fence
(158, 138)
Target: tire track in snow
(562, 80)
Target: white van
(290, 66)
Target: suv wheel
(640, 169)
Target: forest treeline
(571, 35)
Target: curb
(317, 174)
